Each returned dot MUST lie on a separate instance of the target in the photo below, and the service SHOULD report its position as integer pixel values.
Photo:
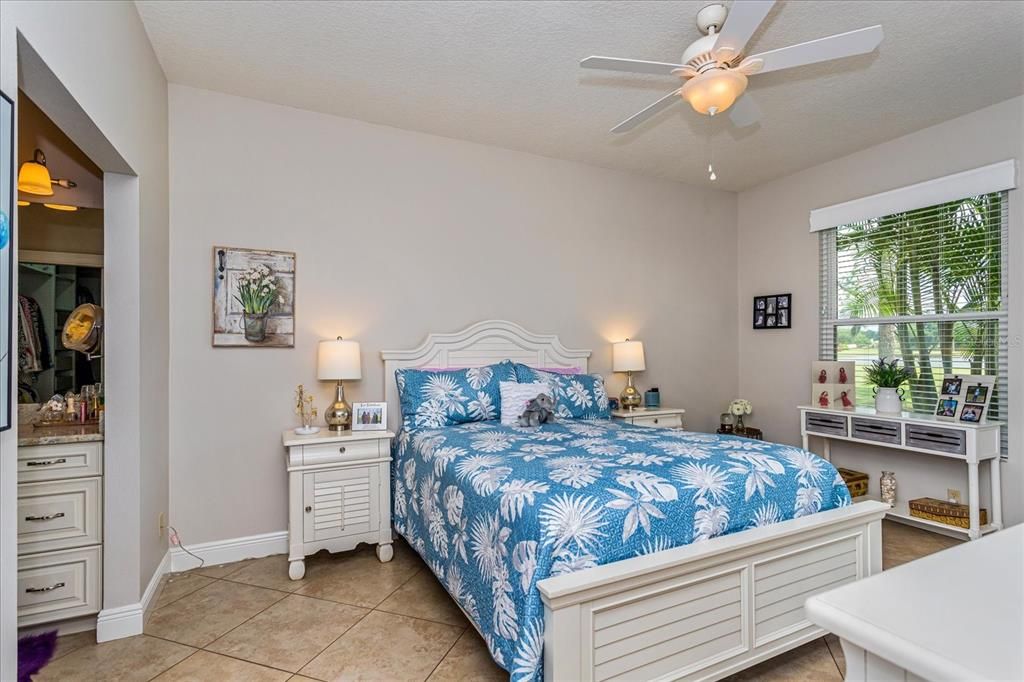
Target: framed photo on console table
(965, 397)
(369, 416)
(773, 312)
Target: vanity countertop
(53, 435)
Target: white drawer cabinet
(59, 514)
(58, 585)
(59, 461)
(654, 417)
(339, 494)
(60, 531)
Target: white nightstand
(660, 417)
(339, 493)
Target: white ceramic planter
(889, 400)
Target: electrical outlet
(161, 524)
(953, 495)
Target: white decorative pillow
(515, 396)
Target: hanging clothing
(33, 343)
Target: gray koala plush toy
(539, 411)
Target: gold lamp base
(630, 398)
(339, 414)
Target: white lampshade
(338, 360)
(628, 356)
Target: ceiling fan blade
(744, 111)
(744, 18)
(861, 41)
(631, 65)
(641, 116)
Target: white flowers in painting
(257, 289)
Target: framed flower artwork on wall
(253, 298)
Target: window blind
(927, 286)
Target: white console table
(972, 444)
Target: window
(927, 286)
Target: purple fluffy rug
(34, 652)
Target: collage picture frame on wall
(773, 312)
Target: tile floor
(350, 618)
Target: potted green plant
(888, 378)
(257, 290)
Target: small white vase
(889, 400)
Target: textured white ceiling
(506, 73)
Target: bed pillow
(515, 396)
(577, 396)
(445, 397)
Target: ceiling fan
(714, 70)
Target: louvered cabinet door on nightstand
(339, 494)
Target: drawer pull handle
(655, 420)
(46, 517)
(309, 509)
(342, 449)
(47, 462)
(51, 588)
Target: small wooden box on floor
(949, 513)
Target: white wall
(398, 234)
(100, 54)
(778, 254)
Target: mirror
(47, 295)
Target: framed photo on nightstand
(369, 416)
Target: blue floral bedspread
(494, 509)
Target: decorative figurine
(822, 377)
(307, 412)
(823, 399)
(846, 400)
(842, 375)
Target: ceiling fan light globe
(716, 90)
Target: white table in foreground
(954, 615)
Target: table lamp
(338, 360)
(628, 357)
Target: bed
(597, 550)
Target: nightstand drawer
(349, 451)
(58, 585)
(667, 421)
(340, 502)
(64, 460)
(59, 514)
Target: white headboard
(479, 344)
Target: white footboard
(709, 609)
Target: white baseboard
(126, 621)
(228, 551)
